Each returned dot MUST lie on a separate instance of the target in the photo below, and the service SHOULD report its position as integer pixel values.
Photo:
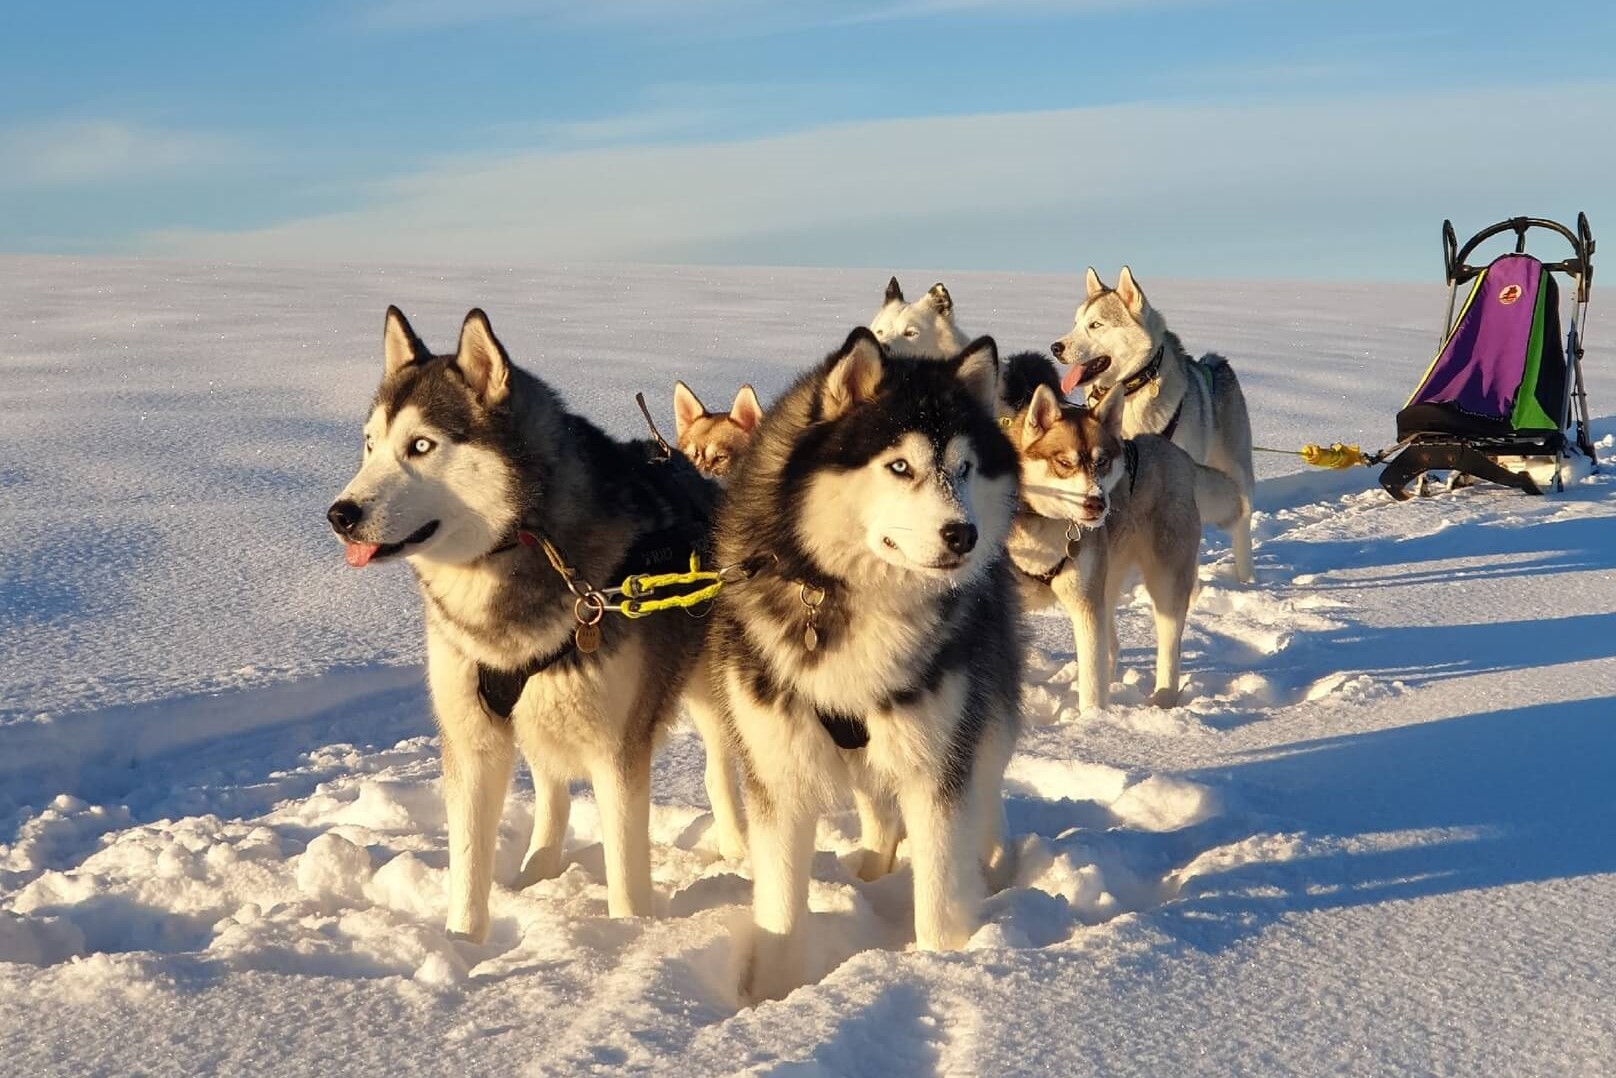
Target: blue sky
(1201, 138)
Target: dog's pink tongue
(1070, 378)
(359, 554)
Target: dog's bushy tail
(1218, 497)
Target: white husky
(925, 327)
(1119, 340)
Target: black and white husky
(469, 465)
(881, 652)
(1119, 342)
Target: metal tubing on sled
(1416, 460)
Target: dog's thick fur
(925, 327)
(1095, 509)
(1114, 336)
(714, 441)
(462, 451)
(884, 489)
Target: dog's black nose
(345, 516)
(1093, 506)
(1058, 349)
(959, 536)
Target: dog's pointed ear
(979, 370)
(687, 408)
(1043, 412)
(1109, 411)
(894, 293)
(1130, 292)
(1092, 283)
(940, 299)
(482, 359)
(400, 345)
(855, 373)
(746, 412)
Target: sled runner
(1504, 384)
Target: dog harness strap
(652, 552)
(1172, 424)
(1046, 578)
(845, 730)
(664, 550)
(500, 689)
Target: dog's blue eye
(899, 467)
(421, 447)
(1095, 324)
(965, 470)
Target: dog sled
(1505, 386)
(1505, 389)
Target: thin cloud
(1035, 187)
(734, 16)
(686, 111)
(87, 152)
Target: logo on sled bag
(1510, 294)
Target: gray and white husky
(1119, 340)
(881, 654)
(1096, 507)
(470, 463)
(925, 327)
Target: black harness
(847, 731)
(1172, 424)
(662, 551)
(1147, 374)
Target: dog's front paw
(731, 843)
(872, 865)
(467, 929)
(999, 870)
(1164, 698)
(543, 864)
(770, 969)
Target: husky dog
(469, 464)
(1098, 506)
(882, 652)
(714, 440)
(923, 328)
(1119, 339)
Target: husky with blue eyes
(880, 653)
(470, 466)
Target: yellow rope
(636, 608)
(636, 588)
(1335, 455)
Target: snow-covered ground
(1375, 840)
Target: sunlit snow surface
(1376, 838)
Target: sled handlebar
(1580, 264)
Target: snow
(1376, 837)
